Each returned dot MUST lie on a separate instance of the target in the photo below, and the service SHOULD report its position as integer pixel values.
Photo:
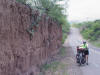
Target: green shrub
(64, 37)
(52, 66)
(90, 30)
(21, 1)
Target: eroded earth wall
(18, 54)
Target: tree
(52, 9)
(91, 30)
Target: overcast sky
(82, 10)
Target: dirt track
(72, 67)
(93, 68)
(67, 64)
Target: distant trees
(90, 30)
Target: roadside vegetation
(56, 67)
(65, 29)
(91, 31)
(53, 10)
(21, 1)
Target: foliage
(64, 37)
(96, 43)
(90, 30)
(52, 66)
(53, 10)
(63, 51)
(21, 1)
(65, 29)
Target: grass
(96, 43)
(62, 51)
(56, 67)
(52, 66)
(64, 37)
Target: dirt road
(94, 58)
(67, 64)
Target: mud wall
(18, 54)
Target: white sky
(82, 10)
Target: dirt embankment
(18, 54)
